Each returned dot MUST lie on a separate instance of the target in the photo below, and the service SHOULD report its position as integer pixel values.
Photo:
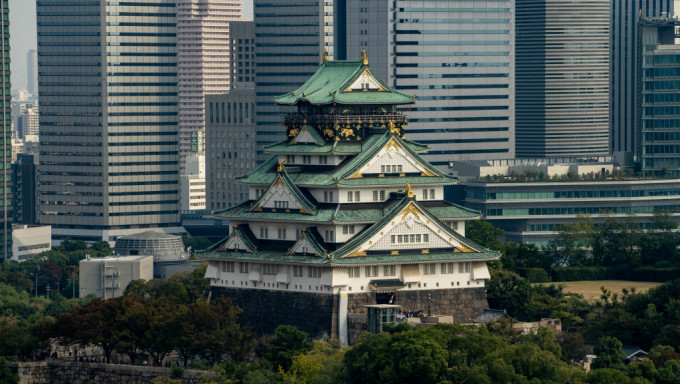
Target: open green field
(591, 289)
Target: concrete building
(530, 198)
(346, 213)
(659, 108)
(109, 162)
(6, 211)
(107, 277)
(30, 240)
(203, 46)
(230, 127)
(562, 78)
(28, 121)
(625, 15)
(192, 184)
(290, 38)
(25, 173)
(242, 54)
(167, 251)
(32, 72)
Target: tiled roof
(313, 239)
(244, 233)
(329, 83)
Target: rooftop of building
(114, 258)
(660, 21)
(148, 235)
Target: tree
(320, 365)
(6, 375)
(609, 353)
(669, 373)
(506, 290)
(215, 331)
(287, 343)
(484, 233)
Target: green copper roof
(331, 82)
(311, 235)
(305, 202)
(313, 134)
(242, 232)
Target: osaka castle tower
(346, 213)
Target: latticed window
(354, 272)
(270, 269)
(429, 269)
(389, 270)
(314, 272)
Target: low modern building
(202, 223)
(167, 251)
(530, 198)
(346, 213)
(192, 183)
(107, 277)
(29, 241)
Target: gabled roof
(313, 239)
(308, 135)
(405, 204)
(284, 180)
(242, 234)
(332, 84)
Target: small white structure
(28, 241)
(108, 277)
(192, 184)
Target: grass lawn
(591, 289)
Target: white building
(192, 184)
(28, 241)
(107, 277)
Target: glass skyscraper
(108, 117)
(6, 175)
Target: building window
(282, 233)
(347, 229)
(372, 271)
(389, 270)
(329, 236)
(306, 159)
(243, 267)
(375, 196)
(410, 238)
(382, 195)
(280, 204)
(464, 267)
(357, 196)
(270, 269)
(328, 196)
(290, 159)
(314, 272)
(447, 268)
(298, 232)
(432, 194)
(264, 233)
(424, 194)
(228, 266)
(354, 272)
(298, 271)
(429, 269)
(323, 159)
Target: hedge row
(612, 273)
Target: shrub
(535, 275)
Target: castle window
(329, 236)
(228, 266)
(424, 194)
(389, 270)
(243, 267)
(298, 271)
(382, 195)
(429, 269)
(323, 159)
(269, 269)
(354, 272)
(432, 194)
(375, 195)
(347, 229)
(350, 196)
(328, 196)
(447, 268)
(282, 233)
(314, 272)
(290, 159)
(280, 204)
(264, 233)
(306, 159)
(357, 196)
(372, 271)
(464, 267)
(298, 232)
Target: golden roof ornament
(325, 57)
(281, 166)
(393, 128)
(363, 57)
(409, 191)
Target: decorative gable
(366, 82)
(411, 229)
(307, 135)
(307, 244)
(282, 195)
(241, 239)
(394, 157)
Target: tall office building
(290, 38)
(109, 150)
(623, 68)
(562, 78)
(32, 72)
(6, 173)
(659, 108)
(457, 58)
(203, 57)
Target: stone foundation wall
(61, 372)
(464, 304)
(356, 325)
(264, 310)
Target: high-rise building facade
(6, 173)
(659, 102)
(457, 58)
(562, 78)
(623, 68)
(32, 72)
(291, 38)
(109, 149)
(203, 62)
